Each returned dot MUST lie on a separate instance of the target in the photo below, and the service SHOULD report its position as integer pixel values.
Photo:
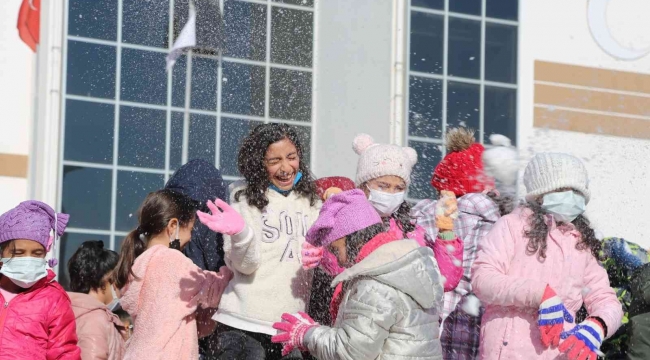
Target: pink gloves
(292, 331)
(224, 219)
(311, 256)
(552, 315)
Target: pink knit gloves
(292, 330)
(223, 219)
(311, 255)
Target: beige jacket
(100, 332)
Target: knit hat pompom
(459, 139)
(377, 160)
(362, 142)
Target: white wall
(16, 84)
(557, 31)
(353, 71)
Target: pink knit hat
(341, 215)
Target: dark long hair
(89, 265)
(156, 211)
(506, 203)
(251, 164)
(538, 233)
(356, 240)
(402, 218)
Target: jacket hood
(201, 181)
(131, 292)
(83, 304)
(405, 266)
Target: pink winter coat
(100, 332)
(38, 324)
(162, 300)
(510, 284)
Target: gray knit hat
(376, 160)
(548, 172)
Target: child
(461, 172)
(160, 287)
(36, 321)
(201, 181)
(390, 291)
(278, 203)
(101, 333)
(538, 265)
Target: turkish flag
(29, 22)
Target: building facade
(95, 121)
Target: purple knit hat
(33, 220)
(342, 214)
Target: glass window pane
(464, 58)
(93, 19)
(233, 132)
(429, 156)
(70, 242)
(501, 53)
(291, 36)
(463, 102)
(203, 134)
(89, 131)
(176, 141)
(471, 7)
(431, 4)
(245, 25)
(145, 22)
(87, 197)
(143, 77)
(427, 41)
(297, 2)
(132, 188)
(142, 137)
(500, 113)
(243, 88)
(118, 243)
(179, 79)
(502, 9)
(425, 107)
(91, 70)
(290, 95)
(204, 83)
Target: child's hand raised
(446, 211)
(224, 219)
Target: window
(128, 124)
(462, 72)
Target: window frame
(445, 78)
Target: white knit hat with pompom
(376, 160)
(501, 162)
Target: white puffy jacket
(389, 309)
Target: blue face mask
(285, 192)
(565, 206)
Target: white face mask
(565, 206)
(115, 303)
(24, 271)
(385, 204)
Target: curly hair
(506, 203)
(402, 218)
(538, 233)
(89, 266)
(250, 162)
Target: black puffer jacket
(201, 181)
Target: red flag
(29, 22)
